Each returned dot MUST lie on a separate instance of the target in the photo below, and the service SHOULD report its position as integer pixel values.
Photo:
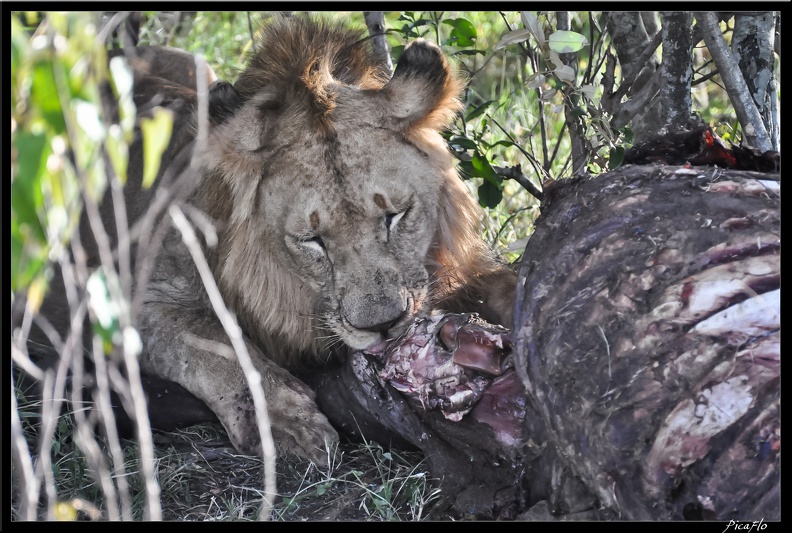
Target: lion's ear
(423, 92)
(224, 100)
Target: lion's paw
(297, 425)
(299, 428)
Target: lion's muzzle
(377, 313)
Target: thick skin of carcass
(648, 339)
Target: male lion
(339, 214)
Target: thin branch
(234, 333)
(515, 173)
(577, 139)
(558, 142)
(375, 21)
(704, 78)
(630, 108)
(629, 79)
(85, 436)
(28, 494)
(539, 169)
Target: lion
(340, 218)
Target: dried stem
(234, 333)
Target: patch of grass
(202, 478)
(364, 482)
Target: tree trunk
(752, 45)
(677, 70)
(647, 339)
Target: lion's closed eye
(315, 243)
(392, 219)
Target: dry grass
(202, 478)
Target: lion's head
(342, 215)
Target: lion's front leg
(192, 349)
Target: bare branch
(577, 132)
(515, 173)
(375, 21)
(632, 43)
(629, 109)
(234, 333)
(21, 458)
(648, 53)
(540, 170)
(630, 39)
(649, 19)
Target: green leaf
(589, 91)
(615, 157)
(565, 73)
(629, 136)
(483, 169)
(466, 169)
(463, 33)
(19, 43)
(396, 52)
(503, 142)
(513, 37)
(27, 201)
(28, 260)
(532, 24)
(156, 134)
(535, 80)
(36, 291)
(44, 95)
(117, 151)
(122, 77)
(578, 111)
(87, 115)
(104, 309)
(565, 42)
(418, 23)
(462, 142)
(489, 195)
(478, 110)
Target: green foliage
(56, 137)
(463, 33)
(526, 80)
(563, 42)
